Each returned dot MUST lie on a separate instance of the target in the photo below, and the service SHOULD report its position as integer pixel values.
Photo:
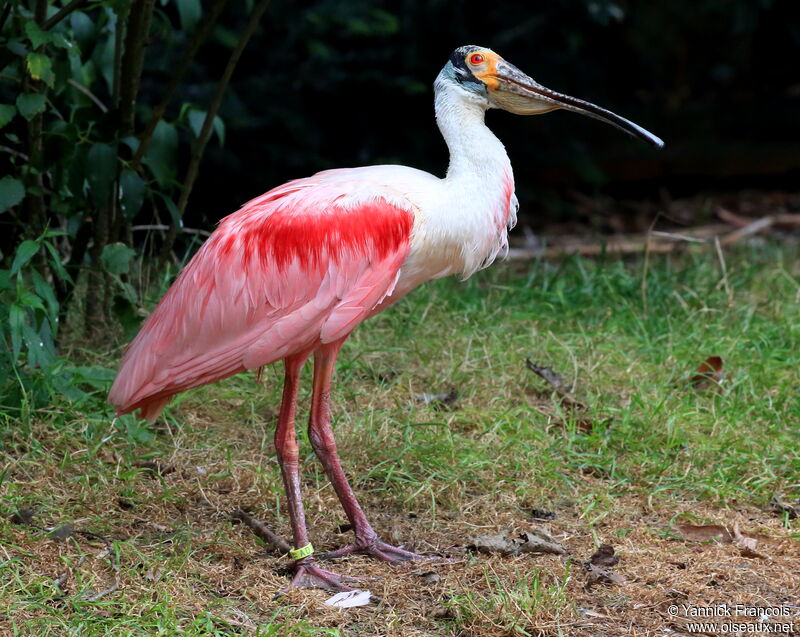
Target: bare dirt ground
(477, 594)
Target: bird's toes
(379, 550)
(309, 575)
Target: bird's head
(483, 76)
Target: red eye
(476, 58)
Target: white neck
(468, 229)
(476, 155)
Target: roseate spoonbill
(294, 271)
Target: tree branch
(202, 32)
(133, 62)
(88, 94)
(4, 15)
(14, 153)
(205, 132)
(33, 171)
(119, 45)
(121, 30)
(63, 13)
(162, 227)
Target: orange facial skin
(486, 70)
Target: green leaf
(137, 433)
(104, 58)
(26, 298)
(190, 12)
(11, 192)
(132, 143)
(116, 258)
(25, 252)
(63, 381)
(219, 129)
(196, 118)
(7, 112)
(127, 315)
(40, 68)
(46, 293)
(16, 321)
(96, 376)
(132, 187)
(38, 351)
(162, 154)
(101, 169)
(17, 46)
(174, 213)
(57, 39)
(36, 35)
(30, 104)
(83, 28)
(55, 262)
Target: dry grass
(649, 453)
(185, 551)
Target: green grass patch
(629, 337)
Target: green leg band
(303, 551)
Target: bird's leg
(321, 436)
(307, 573)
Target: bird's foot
(379, 550)
(308, 575)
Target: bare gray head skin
(488, 78)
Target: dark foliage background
(95, 197)
(333, 83)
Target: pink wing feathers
(302, 264)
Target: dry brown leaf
(705, 533)
(599, 568)
(62, 532)
(22, 516)
(746, 544)
(155, 467)
(542, 514)
(602, 575)
(495, 543)
(540, 541)
(430, 577)
(446, 401)
(709, 374)
(780, 506)
(535, 541)
(604, 556)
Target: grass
(649, 450)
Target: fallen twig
(62, 579)
(659, 241)
(262, 531)
(759, 225)
(93, 597)
(557, 384)
(588, 249)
